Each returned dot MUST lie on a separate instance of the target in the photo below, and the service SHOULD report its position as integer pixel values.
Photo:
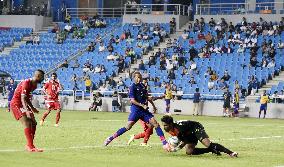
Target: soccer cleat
(56, 125)
(37, 150)
(234, 154)
(107, 141)
(41, 122)
(131, 139)
(145, 145)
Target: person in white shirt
(271, 64)
(271, 32)
(241, 49)
(36, 39)
(237, 35)
(112, 56)
(101, 47)
(193, 65)
(218, 27)
(97, 69)
(103, 88)
(169, 65)
(211, 84)
(280, 45)
(185, 34)
(217, 49)
(67, 27)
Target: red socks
(29, 137)
(57, 117)
(146, 135)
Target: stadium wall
(156, 18)
(23, 21)
(238, 18)
(208, 108)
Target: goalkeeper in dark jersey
(189, 133)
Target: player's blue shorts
(137, 114)
(168, 101)
(10, 97)
(263, 107)
(236, 108)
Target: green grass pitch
(79, 138)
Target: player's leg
(168, 102)
(119, 132)
(191, 150)
(215, 148)
(148, 133)
(152, 121)
(27, 123)
(57, 107)
(8, 106)
(264, 112)
(33, 129)
(260, 110)
(49, 107)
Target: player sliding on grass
(139, 110)
(23, 109)
(189, 132)
(51, 89)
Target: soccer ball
(173, 141)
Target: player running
(51, 89)
(139, 110)
(23, 109)
(189, 132)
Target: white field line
(125, 145)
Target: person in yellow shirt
(168, 95)
(236, 103)
(88, 84)
(263, 104)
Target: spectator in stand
(91, 47)
(67, 18)
(271, 64)
(68, 28)
(97, 69)
(171, 75)
(120, 82)
(110, 48)
(112, 57)
(226, 76)
(211, 84)
(172, 25)
(101, 47)
(253, 62)
(112, 83)
(121, 64)
(75, 65)
(30, 40)
(222, 84)
(87, 66)
(55, 28)
(64, 64)
(280, 45)
(241, 49)
(103, 69)
(137, 22)
(214, 76)
(157, 82)
(74, 79)
(192, 81)
(141, 65)
(212, 23)
(184, 35)
(36, 39)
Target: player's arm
(179, 147)
(150, 100)
(27, 104)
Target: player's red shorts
(53, 105)
(18, 111)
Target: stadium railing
(239, 8)
(157, 9)
(102, 12)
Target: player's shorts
(137, 114)
(18, 111)
(198, 134)
(227, 105)
(168, 101)
(53, 105)
(263, 107)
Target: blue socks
(160, 133)
(118, 133)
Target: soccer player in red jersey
(148, 131)
(51, 89)
(23, 109)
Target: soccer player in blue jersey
(139, 110)
(11, 89)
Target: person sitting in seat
(115, 102)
